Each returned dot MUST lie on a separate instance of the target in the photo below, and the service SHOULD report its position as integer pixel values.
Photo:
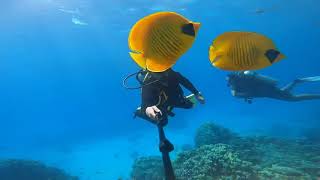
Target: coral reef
(210, 133)
(221, 154)
(24, 169)
(283, 173)
(148, 168)
(289, 159)
(217, 161)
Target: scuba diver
(161, 92)
(249, 85)
(156, 42)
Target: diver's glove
(200, 98)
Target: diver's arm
(150, 99)
(186, 83)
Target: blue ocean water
(62, 64)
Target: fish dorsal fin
(272, 55)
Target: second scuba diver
(161, 92)
(249, 85)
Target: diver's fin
(139, 59)
(310, 79)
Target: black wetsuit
(167, 92)
(250, 87)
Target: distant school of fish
(158, 40)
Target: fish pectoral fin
(212, 48)
(214, 55)
(218, 56)
(139, 58)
